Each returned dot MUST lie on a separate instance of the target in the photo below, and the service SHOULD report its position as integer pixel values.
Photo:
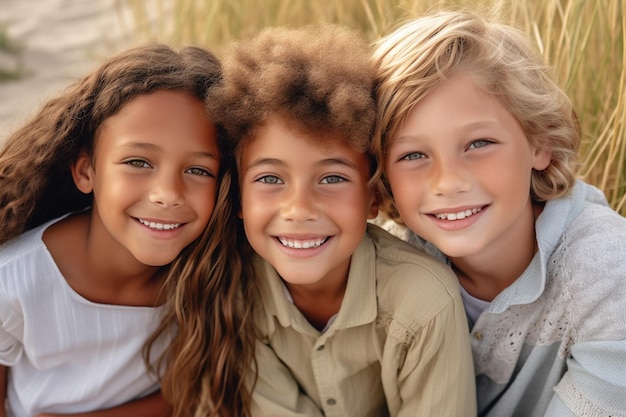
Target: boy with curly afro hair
(352, 321)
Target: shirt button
(477, 335)
(331, 401)
(320, 348)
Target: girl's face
(153, 176)
(304, 205)
(459, 169)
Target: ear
(82, 173)
(542, 159)
(374, 203)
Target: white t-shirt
(473, 306)
(65, 353)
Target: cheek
(204, 200)
(247, 202)
(255, 210)
(108, 186)
(403, 187)
(510, 180)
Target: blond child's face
(154, 178)
(304, 205)
(459, 169)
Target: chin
(156, 261)
(457, 252)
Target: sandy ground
(62, 40)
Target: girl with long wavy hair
(113, 198)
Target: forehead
(457, 101)
(278, 140)
(166, 119)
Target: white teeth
(159, 226)
(302, 244)
(457, 216)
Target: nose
(449, 177)
(167, 190)
(299, 204)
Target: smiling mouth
(302, 244)
(159, 226)
(458, 215)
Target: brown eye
(199, 171)
(138, 163)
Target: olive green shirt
(398, 346)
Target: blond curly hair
(420, 54)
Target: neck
(98, 273)
(318, 305)
(490, 272)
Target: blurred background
(47, 44)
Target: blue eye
(413, 156)
(333, 179)
(270, 179)
(480, 143)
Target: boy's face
(459, 169)
(304, 205)
(154, 178)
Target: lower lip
(302, 253)
(455, 225)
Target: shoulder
(21, 247)
(403, 261)
(592, 244)
(597, 235)
(590, 262)
(21, 270)
(582, 230)
(409, 281)
(30, 246)
(25, 264)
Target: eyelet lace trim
(577, 402)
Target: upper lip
(303, 236)
(456, 209)
(303, 242)
(159, 224)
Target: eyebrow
(324, 162)
(153, 147)
(487, 123)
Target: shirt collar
(549, 228)
(359, 304)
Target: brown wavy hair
(36, 182)
(209, 356)
(209, 366)
(421, 53)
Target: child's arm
(437, 378)
(3, 389)
(595, 271)
(151, 406)
(276, 393)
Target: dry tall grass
(583, 40)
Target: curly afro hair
(318, 79)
